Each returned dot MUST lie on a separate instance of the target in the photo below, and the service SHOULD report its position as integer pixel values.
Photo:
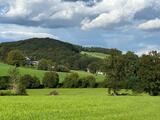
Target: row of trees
(128, 71)
(18, 83)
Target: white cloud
(60, 13)
(102, 20)
(15, 32)
(150, 25)
(18, 8)
(117, 12)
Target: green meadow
(4, 68)
(78, 104)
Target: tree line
(123, 71)
(17, 84)
(50, 80)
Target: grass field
(95, 54)
(4, 68)
(78, 104)
(75, 104)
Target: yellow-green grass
(4, 68)
(78, 104)
(95, 54)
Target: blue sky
(124, 24)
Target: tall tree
(43, 64)
(17, 85)
(51, 79)
(4, 52)
(16, 57)
(149, 74)
(115, 71)
(131, 66)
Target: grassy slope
(95, 54)
(4, 68)
(79, 104)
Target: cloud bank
(60, 13)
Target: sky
(128, 25)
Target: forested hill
(55, 50)
(43, 48)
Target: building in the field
(98, 72)
(31, 62)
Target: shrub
(100, 85)
(91, 81)
(21, 89)
(4, 82)
(83, 82)
(61, 68)
(17, 85)
(30, 81)
(13, 93)
(88, 81)
(6, 93)
(54, 93)
(71, 81)
(51, 79)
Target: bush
(71, 81)
(100, 85)
(83, 83)
(88, 81)
(51, 79)
(61, 68)
(6, 93)
(11, 93)
(54, 93)
(91, 81)
(21, 89)
(4, 82)
(30, 81)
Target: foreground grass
(4, 68)
(78, 104)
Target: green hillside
(4, 68)
(95, 54)
(38, 48)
